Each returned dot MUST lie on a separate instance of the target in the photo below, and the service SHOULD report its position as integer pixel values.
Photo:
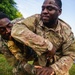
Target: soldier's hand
(44, 71)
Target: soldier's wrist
(29, 68)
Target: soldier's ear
(59, 12)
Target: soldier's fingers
(38, 66)
(45, 73)
(39, 72)
(52, 73)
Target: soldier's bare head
(55, 2)
(5, 26)
(51, 9)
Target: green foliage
(72, 71)
(9, 8)
(5, 69)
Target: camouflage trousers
(19, 70)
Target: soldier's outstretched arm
(22, 34)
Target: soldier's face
(5, 28)
(50, 11)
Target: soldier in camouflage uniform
(5, 38)
(4, 35)
(18, 54)
(47, 25)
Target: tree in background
(9, 7)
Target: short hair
(3, 15)
(59, 3)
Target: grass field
(5, 69)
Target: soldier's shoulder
(17, 20)
(64, 24)
(31, 21)
(66, 30)
(33, 17)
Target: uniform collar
(58, 28)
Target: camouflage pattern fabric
(61, 37)
(5, 51)
(12, 61)
(14, 57)
(16, 20)
(15, 50)
(36, 42)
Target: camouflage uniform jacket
(6, 52)
(4, 48)
(16, 54)
(61, 37)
